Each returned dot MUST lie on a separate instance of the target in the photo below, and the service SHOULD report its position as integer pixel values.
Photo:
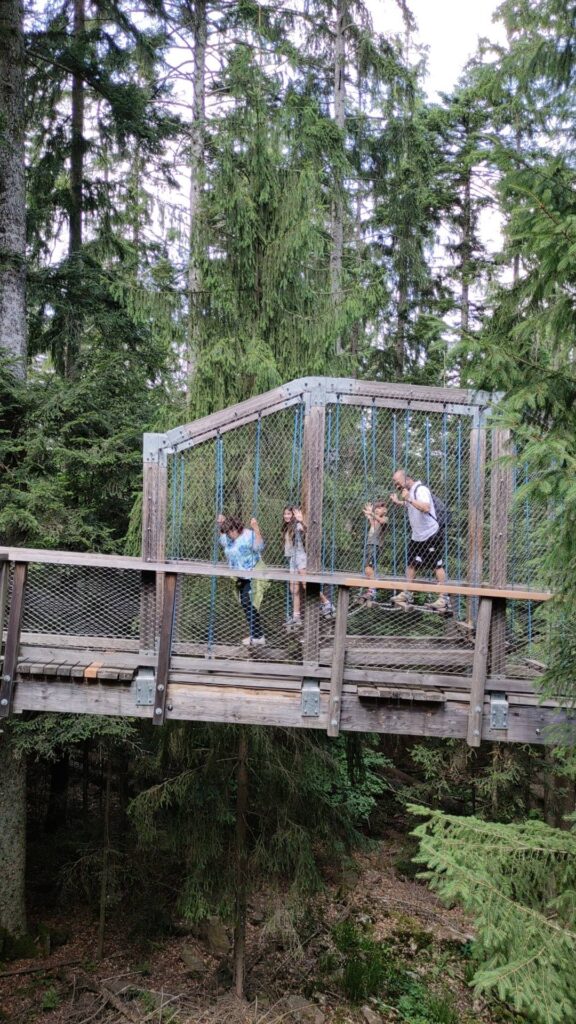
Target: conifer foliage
(519, 882)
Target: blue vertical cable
(255, 495)
(366, 483)
(336, 472)
(218, 502)
(445, 478)
(181, 554)
(172, 540)
(406, 468)
(393, 518)
(458, 507)
(528, 552)
(374, 491)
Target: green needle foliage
(519, 882)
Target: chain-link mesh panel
(364, 446)
(222, 618)
(415, 639)
(528, 534)
(253, 471)
(82, 601)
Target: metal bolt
(477, 709)
(6, 678)
(169, 707)
(160, 687)
(157, 711)
(537, 732)
(3, 702)
(476, 732)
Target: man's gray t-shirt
(422, 524)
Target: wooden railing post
(12, 639)
(500, 504)
(312, 501)
(338, 657)
(165, 647)
(4, 580)
(476, 485)
(154, 498)
(479, 672)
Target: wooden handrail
(201, 568)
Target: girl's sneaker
(404, 599)
(254, 641)
(327, 610)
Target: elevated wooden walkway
(160, 636)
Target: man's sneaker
(327, 609)
(403, 599)
(441, 604)
(254, 641)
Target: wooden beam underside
(527, 723)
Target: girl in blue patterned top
(242, 548)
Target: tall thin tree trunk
(197, 157)
(466, 250)
(13, 342)
(76, 181)
(340, 119)
(105, 863)
(241, 864)
(12, 188)
(12, 838)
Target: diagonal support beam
(12, 639)
(165, 647)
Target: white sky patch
(450, 28)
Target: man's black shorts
(425, 555)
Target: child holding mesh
(377, 517)
(294, 541)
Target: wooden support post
(4, 580)
(12, 639)
(500, 504)
(479, 673)
(476, 485)
(165, 647)
(312, 499)
(338, 656)
(154, 500)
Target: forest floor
(379, 948)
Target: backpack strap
(431, 514)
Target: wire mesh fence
(222, 618)
(85, 602)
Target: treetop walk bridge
(160, 636)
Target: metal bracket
(144, 687)
(310, 698)
(498, 711)
(154, 448)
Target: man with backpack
(427, 524)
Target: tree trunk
(105, 863)
(197, 153)
(12, 187)
(12, 838)
(466, 249)
(57, 810)
(241, 864)
(76, 182)
(338, 203)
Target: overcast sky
(451, 29)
